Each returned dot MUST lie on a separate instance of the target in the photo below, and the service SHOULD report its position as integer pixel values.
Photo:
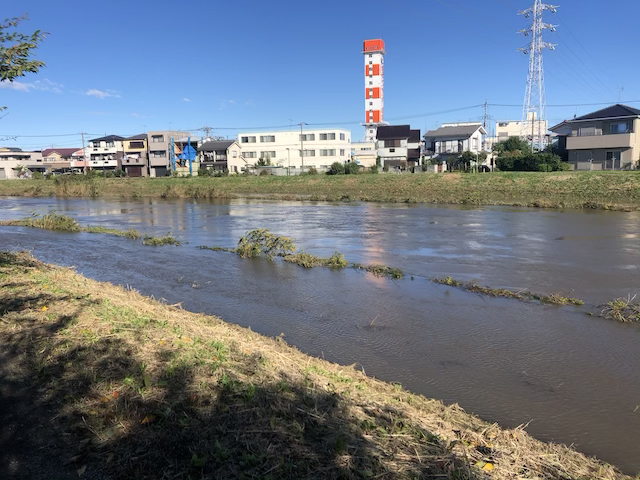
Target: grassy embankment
(127, 387)
(599, 190)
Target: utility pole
(484, 115)
(302, 145)
(534, 105)
(84, 154)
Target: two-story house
(452, 139)
(398, 145)
(14, 162)
(105, 153)
(58, 159)
(607, 139)
(135, 157)
(219, 155)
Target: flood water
(574, 378)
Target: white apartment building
(105, 152)
(317, 148)
(513, 128)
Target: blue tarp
(188, 153)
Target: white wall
(365, 153)
(277, 150)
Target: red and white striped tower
(373, 51)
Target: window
(136, 144)
(111, 144)
(392, 150)
(247, 139)
(308, 153)
(370, 62)
(267, 154)
(342, 136)
(370, 83)
(619, 127)
(309, 137)
(157, 138)
(474, 143)
(587, 131)
(268, 138)
(392, 143)
(370, 104)
(157, 154)
(328, 153)
(327, 136)
(370, 55)
(342, 152)
(249, 154)
(234, 154)
(503, 124)
(95, 144)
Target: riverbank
(593, 190)
(113, 384)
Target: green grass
(588, 190)
(49, 221)
(167, 239)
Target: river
(573, 378)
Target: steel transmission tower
(534, 107)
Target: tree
(16, 50)
(264, 162)
(336, 168)
(512, 144)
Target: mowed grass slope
(605, 190)
(123, 386)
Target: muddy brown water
(573, 378)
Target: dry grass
(589, 190)
(146, 390)
(522, 295)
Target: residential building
(513, 128)
(317, 148)
(158, 142)
(215, 154)
(364, 153)
(373, 51)
(607, 139)
(451, 139)
(13, 160)
(135, 156)
(398, 146)
(105, 153)
(58, 159)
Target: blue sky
(124, 67)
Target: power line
(565, 104)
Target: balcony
(590, 142)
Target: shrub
(385, 168)
(336, 260)
(352, 168)
(221, 173)
(37, 176)
(118, 172)
(336, 168)
(312, 171)
(263, 173)
(373, 169)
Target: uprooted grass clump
(167, 239)
(307, 260)
(144, 390)
(63, 223)
(262, 243)
(622, 309)
(523, 295)
(49, 221)
(131, 233)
